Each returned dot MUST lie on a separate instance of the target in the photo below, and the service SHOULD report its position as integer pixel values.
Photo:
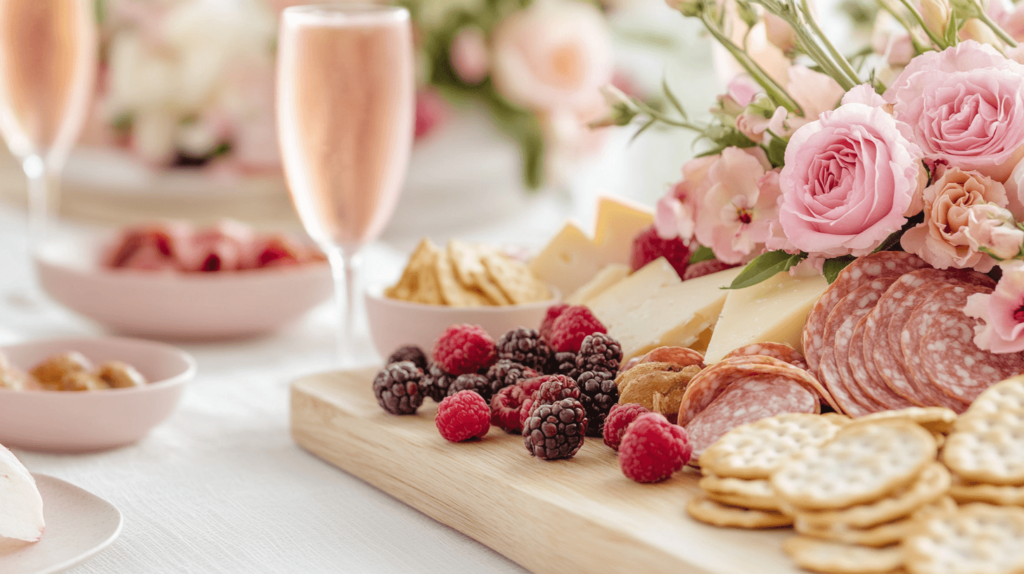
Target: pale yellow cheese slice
(614, 306)
(605, 278)
(772, 311)
(569, 260)
(619, 221)
(677, 315)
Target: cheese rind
(678, 314)
(614, 306)
(569, 260)
(605, 278)
(772, 311)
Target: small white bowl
(178, 305)
(67, 422)
(395, 323)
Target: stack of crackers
(465, 275)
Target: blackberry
(436, 382)
(410, 353)
(526, 347)
(479, 384)
(555, 430)
(598, 394)
(599, 352)
(563, 364)
(557, 387)
(397, 388)
(506, 373)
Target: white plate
(78, 525)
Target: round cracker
(880, 535)
(861, 465)
(757, 449)
(937, 420)
(976, 538)
(755, 493)
(829, 557)
(1005, 395)
(716, 514)
(966, 492)
(740, 501)
(988, 449)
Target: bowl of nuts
(87, 394)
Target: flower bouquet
(830, 158)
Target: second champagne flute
(345, 114)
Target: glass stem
(346, 265)
(38, 201)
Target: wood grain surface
(579, 515)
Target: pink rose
(848, 180)
(866, 94)
(739, 205)
(993, 228)
(965, 106)
(942, 238)
(1002, 313)
(555, 54)
(468, 55)
(676, 213)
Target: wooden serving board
(578, 515)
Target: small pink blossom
(469, 57)
(993, 228)
(1001, 313)
(942, 239)
(676, 213)
(741, 202)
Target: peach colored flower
(468, 55)
(1001, 313)
(676, 213)
(739, 205)
(993, 228)
(942, 238)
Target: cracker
(988, 449)
(967, 492)
(739, 492)
(428, 288)
(740, 501)
(976, 538)
(837, 558)
(711, 512)
(514, 279)
(1007, 395)
(452, 291)
(860, 465)
(932, 484)
(471, 273)
(880, 535)
(409, 280)
(836, 418)
(937, 420)
(757, 449)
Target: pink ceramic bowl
(59, 421)
(179, 305)
(395, 323)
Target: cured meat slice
(912, 336)
(856, 274)
(779, 351)
(752, 399)
(867, 381)
(712, 382)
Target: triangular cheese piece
(619, 221)
(568, 261)
(605, 278)
(614, 306)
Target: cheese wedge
(619, 221)
(569, 260)
(676, 315)
(616, 304)
(605, 278)
(772, 311)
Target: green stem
(837, 57)
(918, 46)
(939, 42)
(655, 114)
(984, 17)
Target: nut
(644, 382)
(120, 375)
(82, 381)
(52, 371)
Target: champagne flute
(345, 117)
(48, 55)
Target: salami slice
(778, 351)
(750, 400)
(915, 331)
(868, 383)
(856, 274)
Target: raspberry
(410, 353)
(705, 268)
(564, 364)
(505, 407)
(653, 449)
(599, 352)
(572, 326)
(549, 319)
(397, 388)
(505, 373)
(526, 347)
(618, 420)
(555, 430)
(479, 384)
(648, 246)
(598, 394)
(530, 389)
(436, 382)
(464, 349)
(463, 416)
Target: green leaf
(702, 254)
(776, 150)
(833, 266)
(673, 100)
(892, 243)
(764, 267)
(952, 28)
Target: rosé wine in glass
(345, 113)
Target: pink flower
(739, 205)
(1001, 313)
(676, 213)
(942, 238)
(965, 106)
(814, 92)
(993, 228)
(468, 55)
(866, 94)
(555, 54)
(848, 180)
